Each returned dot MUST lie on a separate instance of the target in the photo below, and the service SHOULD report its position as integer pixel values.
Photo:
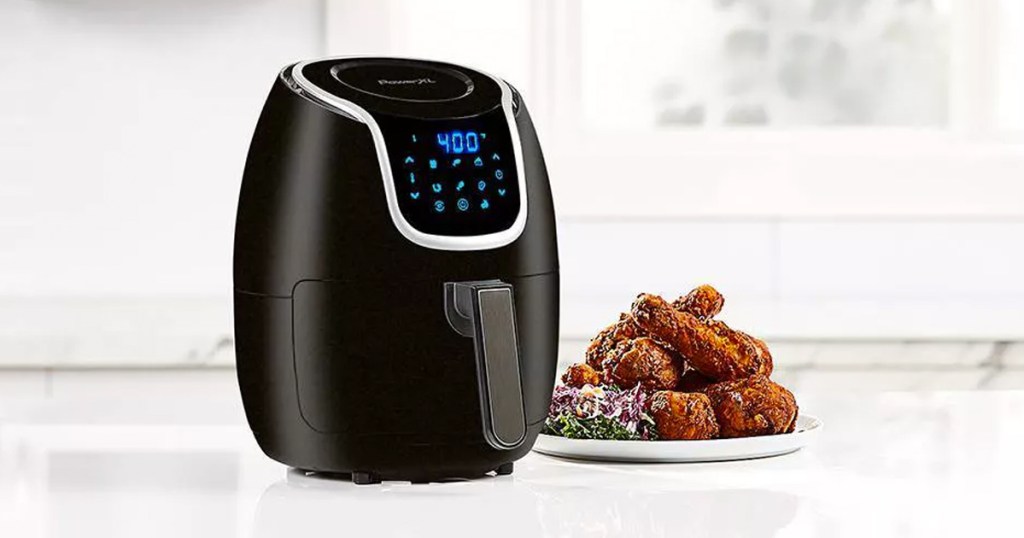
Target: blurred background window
(772, 63)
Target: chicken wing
(704, 302)
(713, 349)
(606, 340)
(765, 356)
(643, 362)
(579, 375)
(682, 415)
(753, 406)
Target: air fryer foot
(504, 469)
(365, 478)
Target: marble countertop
(886, 464)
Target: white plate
(807, 428)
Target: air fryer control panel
(449, 160)
(454, 177)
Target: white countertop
(895, 464)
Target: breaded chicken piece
(753, 406)
(713, 349)
(762, 357)
(704, 302)
(683, 416)
(765, 356)
(643, 362)
(579, 375)
(606, 340)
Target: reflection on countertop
(616, 504)
(891, 464)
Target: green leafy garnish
(599, 427)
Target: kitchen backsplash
(786, 280)
(807, 278)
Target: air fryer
(395, 272)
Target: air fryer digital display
(454, 177)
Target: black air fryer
(395, 272)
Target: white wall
(124, 131)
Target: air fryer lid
(407, 88)
(398, 80)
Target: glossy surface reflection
(887, 465)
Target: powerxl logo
(406, 82)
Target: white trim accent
(437, 242)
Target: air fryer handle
(485, 311)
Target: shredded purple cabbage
(627, 407)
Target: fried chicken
(606, 340)
(752, 406)
(681, 415)
(712, 348)
(708, 380)
(641, 361)
(765, 356)
(704, 302)
(579, 375)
